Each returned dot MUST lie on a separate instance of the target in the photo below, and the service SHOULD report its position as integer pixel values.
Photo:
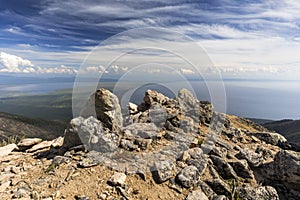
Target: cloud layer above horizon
(241, 38)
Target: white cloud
(186, 71)
(57, 70)
(12, 63)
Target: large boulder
(105, 106)
(286, 167)
(91, 133)
(271, 138)
(189, 105)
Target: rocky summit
(161, 149)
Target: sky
(243, 39)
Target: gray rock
(189, 104)
(194, 153)
(105, 106)
(71, 137)
(254, 159)
(143, 143)
(162, 171)
(90, 131)
(4, 151)
(219, 151)
(188, 177)
(88, 162)
(207, 110)
(158, 115)
(242, 168)
(28, 143)
(224, 168)
(196, 195)
(150, 127)
(152, 97)
(270, 138)
(58, 160)
(219, 186)
(128, 145)
(286, 167)
(200, 164)
(118, 179)
(147, 134)
(206, 189)
(259, 193)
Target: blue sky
(242, 38)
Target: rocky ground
(163, 149)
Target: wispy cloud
(240, 37)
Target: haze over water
(253, 99)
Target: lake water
(255, 99)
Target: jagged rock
(124, 192)
(189, 104)
(259, 193)
(105, 106)
(264, 152)
(147, 127)
(241, 168)
(195, 153)
(152, 96)
(90, 131)
(118, 179)
(132, 108)
(219, 151)
(206, 189)
(4, 151)
(71, 137)
(254, 159)
(188, 177)
(219, 186)
(188, 125)
(143, 143)
(285, 167)
(196, 195)
(158, 115)
(170, 135)
(40, 146)
(57, 142)
(207, 110)
(200, 164)
(128, 145)
(162, 171)
(224, 169)
(270, 138)
(28, 143)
